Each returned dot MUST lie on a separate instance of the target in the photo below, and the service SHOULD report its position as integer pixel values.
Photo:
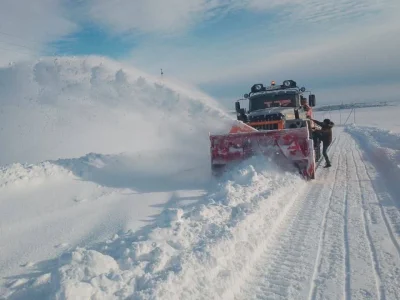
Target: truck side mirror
(311, 100)
(237, 106)
(242, 115)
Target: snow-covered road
(340, 240)
(260, 236)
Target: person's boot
(327, 165)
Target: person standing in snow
(325, 135)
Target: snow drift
(190, 252)
(68, 107)
(383, 145)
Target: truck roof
(291, 91)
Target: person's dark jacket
(326, 130)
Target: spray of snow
(68, 107)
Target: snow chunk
(86, 274)
(22, 175)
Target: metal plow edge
(285, 147)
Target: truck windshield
(268, 100)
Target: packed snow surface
(105, 193)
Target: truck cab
(276, 107)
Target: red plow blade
(284, 146)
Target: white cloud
(354, 52)
(358, 93)
(359, 51)
(155, 16)
(26, 26)
(178, 16)
(343, 49)
(309, 39)
(316, 11)
(29, 25)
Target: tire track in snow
(394, 217)
(287, 266)
(330, 265)
(318, 262)
(347, 287)
(365, 291)
(387, 254)
(337, 240)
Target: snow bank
(382, 148)
(199, 250)
(152, 171)
(68, 107)
(23, 175)
(142, 172)
(382, 144)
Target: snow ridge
(382, 148)
(23, 175)
(191, 253)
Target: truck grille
(266, 127)
(267, 122)
(263, 118)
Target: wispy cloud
(26, 26)
(357, 61)
(354, 52)
(223, 44)
(155, 16)
(320, 43)
(313, 12)
(178, 16)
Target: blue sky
(92, 40)
(221, 46)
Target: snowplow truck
(276, 124)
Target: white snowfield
(143, 219)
